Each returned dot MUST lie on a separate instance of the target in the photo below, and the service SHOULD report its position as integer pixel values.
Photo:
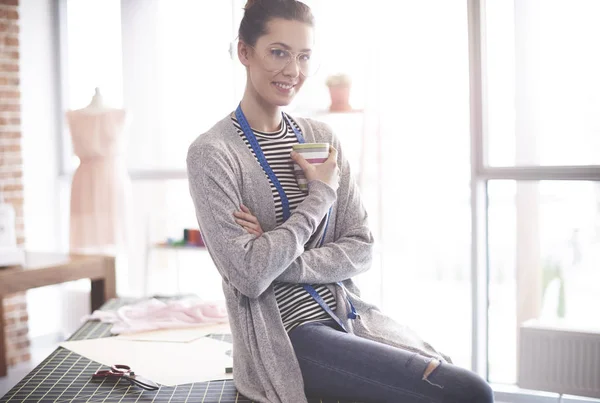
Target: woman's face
(277, 61)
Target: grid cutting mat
(67, 377)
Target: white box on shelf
(11, 256)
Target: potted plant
(339, 90)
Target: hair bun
(257, 13)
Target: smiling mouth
(284, 86)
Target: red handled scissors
(124, 371)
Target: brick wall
(11, 164)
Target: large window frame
(481, 173)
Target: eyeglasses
(275, 59)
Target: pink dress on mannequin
(101, 188)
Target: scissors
(124, 371)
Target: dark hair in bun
(257, 13)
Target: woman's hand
(248, 221)
(328, 172)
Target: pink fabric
(100, 192)
(154, 314)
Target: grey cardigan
(222, 175)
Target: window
(93, 51)
(543, 139)
(92, 59)
(423, 108)
(544, 238)
(543, 81)
(177, 75)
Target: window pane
(94, 51)
(543, 82)
(424, 111)
(93, 59)
(166, 62)
(178, 76)
(544, 242)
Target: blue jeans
(339, 365)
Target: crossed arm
(349, 254)
(250, 263)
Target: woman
(287, 257)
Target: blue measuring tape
(313, 293)
(249, 133)
(263, 161)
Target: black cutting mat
(67, 377)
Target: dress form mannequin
(97, 103)
(101, 190)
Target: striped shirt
(296, 306)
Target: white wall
(44, 211)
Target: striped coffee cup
(314, 153)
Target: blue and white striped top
(296, 306)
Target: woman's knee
(468, 386)
(481, 391)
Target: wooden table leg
(97, 294)
(110, 283)
(3, 358)
(106, 288)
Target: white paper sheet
(183, 335)
(168, 364)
